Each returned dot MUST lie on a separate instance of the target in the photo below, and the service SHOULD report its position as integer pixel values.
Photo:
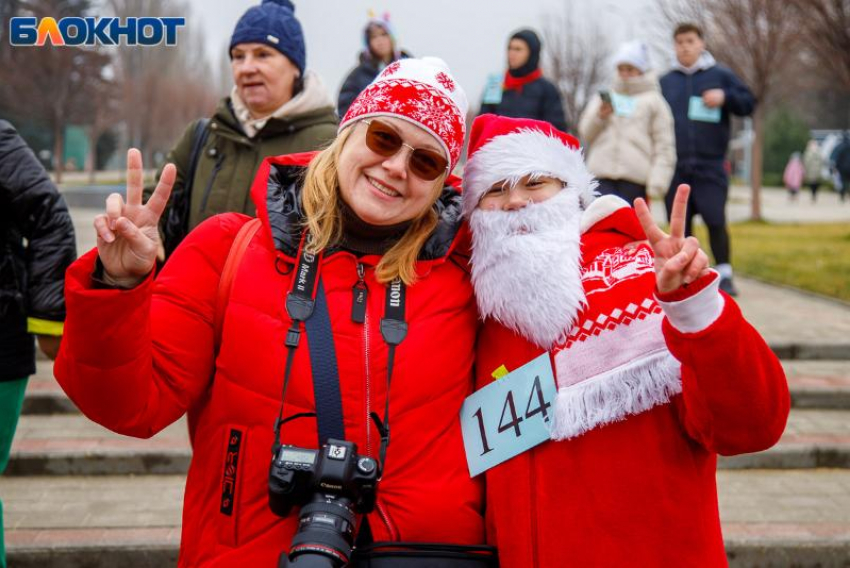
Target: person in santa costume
(657, 371)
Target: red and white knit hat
(421, 91)
(508, 149)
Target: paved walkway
(786, 316)
(800, 497)
(778, 209)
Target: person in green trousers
(36, 246)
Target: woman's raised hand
(678, 260)
(127, 234)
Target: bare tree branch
(163, 88)
(575, 59)
(826, 26)
(53, 86)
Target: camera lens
(325, 534)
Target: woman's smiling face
(381, 190)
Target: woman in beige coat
(629, 130)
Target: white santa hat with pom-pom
(503, 149)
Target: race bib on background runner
(624, 105)
(508, 416)
(698, 111)
(492, 90)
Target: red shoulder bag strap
(231, 265)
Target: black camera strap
(306, 299)
(393, 330)
(300, 304)
(325, 373)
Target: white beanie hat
(634, 53)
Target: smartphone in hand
(605, 96)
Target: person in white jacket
(628, 130)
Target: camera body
(335, 470)
(331, 485)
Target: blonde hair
(320, 199)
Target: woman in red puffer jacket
(381, 207)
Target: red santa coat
(135, 361)
(633, 483)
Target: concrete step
(812, 438)
(72, 444)
(92, 522)
(790, 518)
(795, 324)
(44, 396)
(819, 384)
(813, 384)
(811, 351)
(770, 518)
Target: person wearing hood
(524, 92)
(649, 371)
(379, 50)
(703, 95)
(277, 106)
(343, 311)
(629, 135)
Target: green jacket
(229, 159)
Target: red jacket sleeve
(135, 360)
(734, 391)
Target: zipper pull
(358, 296)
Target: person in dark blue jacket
(702, 96)
(524, 92)
(840, 159)
(379, 50)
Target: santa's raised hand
(127, 234)
(679, 260)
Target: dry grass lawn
(813, 257)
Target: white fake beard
(526, 267)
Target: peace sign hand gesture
(678, 260)
(127, 234)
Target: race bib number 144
(508, 416)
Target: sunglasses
(382, 139)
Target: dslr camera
(331, 485)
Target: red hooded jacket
(135, 361)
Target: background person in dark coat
(702, 95)
(841, 159)
(525, 93)
(379, 50)
(32, 277)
